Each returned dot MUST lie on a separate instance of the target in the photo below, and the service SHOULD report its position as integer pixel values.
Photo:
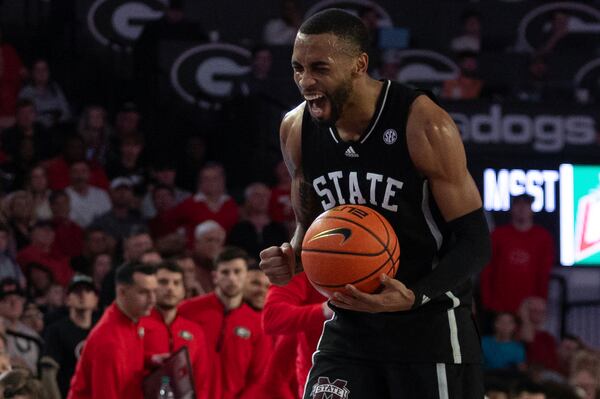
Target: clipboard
(179, 370)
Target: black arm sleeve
(471, 252)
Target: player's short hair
(230, 253)
(125, 272)
(339, 23)
(170, 266)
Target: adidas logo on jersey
(425, 299)
(351, 153)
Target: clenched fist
(278, 263)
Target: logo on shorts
(325, 389)
(206, 74)
(118, 23)
(390, 136)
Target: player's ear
(361, 64)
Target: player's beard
(337, 99)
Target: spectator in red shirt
(297, 309)
(522, 259)
(69, 236)
(58, 167)
(540, 345)
(163, 199)
(111, 365)
(40, 251)
(211, 202)
(233, 329)
(166, 331)
(210, 238)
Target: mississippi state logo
(536, 25)
(353, 7)
(425, 66)
(390, 136)
(119, 23)
(206, 74)
(325, 389)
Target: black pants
(334, 377)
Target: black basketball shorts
(334, 377)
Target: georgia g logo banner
(206, 74)
(119, 23)
(537, 23)
(425, 66)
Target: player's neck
(359, 110)
(522, 225)
(168, 315)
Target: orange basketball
(349, 244)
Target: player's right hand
(278, 263)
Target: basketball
(349, 244)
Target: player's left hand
(394, 297)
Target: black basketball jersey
(377, 171)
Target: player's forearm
(471, 252)
(283, 318)
(296, 243)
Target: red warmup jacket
(279, 379)
(237, 340)
(162, 338)
(111, 365)
(296, 308)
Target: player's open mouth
(317, 104)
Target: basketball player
(356, 140)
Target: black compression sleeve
(470, 253)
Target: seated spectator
(33, 318)
(53, 303)
(585, 374)
(87, 202)
(39, 281)
(37, 186)
(69, 236)
(191, 162)
(211, 202)
(8, 266)
(470, 37)
(127, 122)
(27, 130)
(527, 390)
(95, 131)
(47, 96)
(280, 204)
(467, 85)
(121, 218)
(535, 88)
(21, 384)
(256, 231)
(540, 345)
(24, 344)
(151, 257)
(163, 174)
(18, 208)
(65, 338)
(102, 264)
(282, 30)
(11, 77)
(95, 242)
(163, 198)
(210, 238)
(40, 251)
(502, 351)
(567, 348)
(129, 161)
(58, 168)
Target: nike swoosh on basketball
(345, 232)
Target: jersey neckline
(381, 101)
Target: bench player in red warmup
(356, 140)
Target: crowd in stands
(82, 193)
